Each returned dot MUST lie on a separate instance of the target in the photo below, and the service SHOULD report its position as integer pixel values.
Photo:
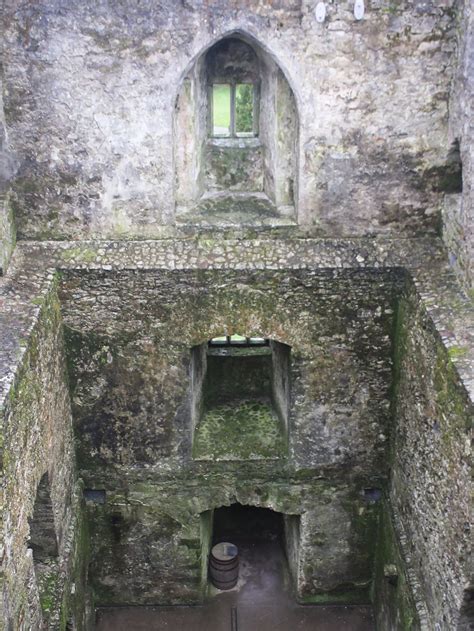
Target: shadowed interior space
(263, 597)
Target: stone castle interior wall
(149, 503)
(38, 444)
(140, 431)
(459, 205)
(430, 481)
(105, 378)
(90, 93)
(7, 224)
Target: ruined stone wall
(430, 482)
(393, 593)
(234, 166)
(37, 439)
(7, 225)
(129, 336)
(151, 519)
(458, 224)
(7, 231)
(334, 314)
(130, 356)
(91, 89)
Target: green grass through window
(221, 108)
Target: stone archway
(235, 174)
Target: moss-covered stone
(240, 430)
(392, 597)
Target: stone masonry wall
(129, 358)
(37, 438)
(143, 526)
(459, 209)
(7, 224)
(129, 336)
(430, 482)
(90, 91)
(7, 231)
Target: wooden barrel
(224, 565)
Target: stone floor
(261, 601)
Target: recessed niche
(372, 495)
(43, 540)
(257, 532)
(240, 399)
(95, 496)
(236, 136)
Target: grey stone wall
(7, 231)
(128, 359)
(129, 337)
(396, 608)
(459, 209)
(7, 224)
(430, 482)
(37, 440)
(143, 527)
(234, 166)
(91, 89)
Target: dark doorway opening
(259, 534)
(268, 541)
(247, 524)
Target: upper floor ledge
(209, 251)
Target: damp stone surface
(323, 207)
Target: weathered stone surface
(131, 387)
(104, 134)
(37, 440)
(430, 483)
(142, 524)
(129, 361)
(90, 94)
(7, 222)
(458, 230)
(7, 232)
(231, 167)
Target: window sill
(240, 143)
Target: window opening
(233, 110)
(238, 340)
(42, 538)
(244, 109)
(97, 496)
(221, 110)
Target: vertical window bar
(255, 109)
(210, 100)
(232, 110)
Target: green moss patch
(354, 596)
(241, 430)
